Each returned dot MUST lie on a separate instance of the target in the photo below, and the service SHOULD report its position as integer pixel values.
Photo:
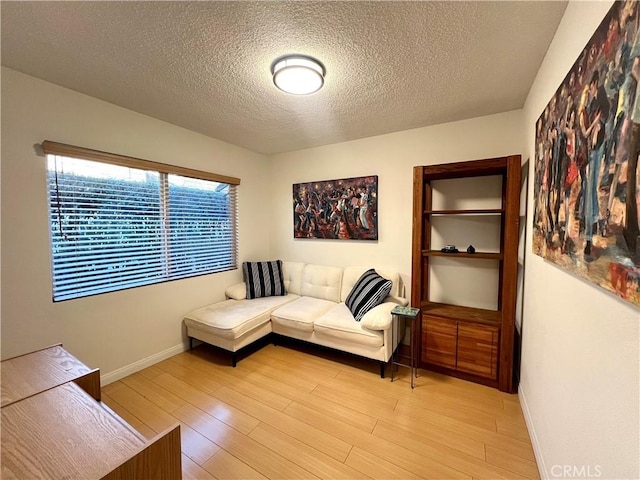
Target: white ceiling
(205, 66)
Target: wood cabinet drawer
(481, 333)
(478, 350)
(439, 341)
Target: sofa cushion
(339, 323)
(322, 282)
(301, 313)
(369, 291)
(264, 279)
(292, 274)
(352, 275)
(233, 318)
(237, 291)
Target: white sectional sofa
(313, 310)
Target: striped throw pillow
(264, 279)
(370, 290)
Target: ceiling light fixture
(298, 74)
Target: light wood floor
(291, 412)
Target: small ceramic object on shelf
(471, 249)
(449, 249)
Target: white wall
(391, 157)
(580, 365)
(117, 329)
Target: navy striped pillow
(370, 290)
(264, 279)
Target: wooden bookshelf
(461, 340)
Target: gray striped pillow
(370, 290)
(264, 279)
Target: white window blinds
(202, 233)
(115, 227)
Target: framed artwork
(586, 162)
(344, 209)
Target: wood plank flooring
(295, 412)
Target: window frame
(64, 150)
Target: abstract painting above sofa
(343, 209)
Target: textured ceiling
(205, 66)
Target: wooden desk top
(63, 433)
(38, 371)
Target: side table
(408, 314)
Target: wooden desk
(52, 428)
(41, 370)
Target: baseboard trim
(134, 367)
(542, 467)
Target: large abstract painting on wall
(586, 166)
(345, 209)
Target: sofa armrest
(397, 300)
(379, 317)
(237, 291)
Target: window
(118, 223)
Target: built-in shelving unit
(477, 201)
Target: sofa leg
(190, 343)
(234, 359)
(382, 368)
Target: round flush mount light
(298, 74)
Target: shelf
(474, 202)
(479, 211)
(474, 168)
(463, 254)
(469, 314)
